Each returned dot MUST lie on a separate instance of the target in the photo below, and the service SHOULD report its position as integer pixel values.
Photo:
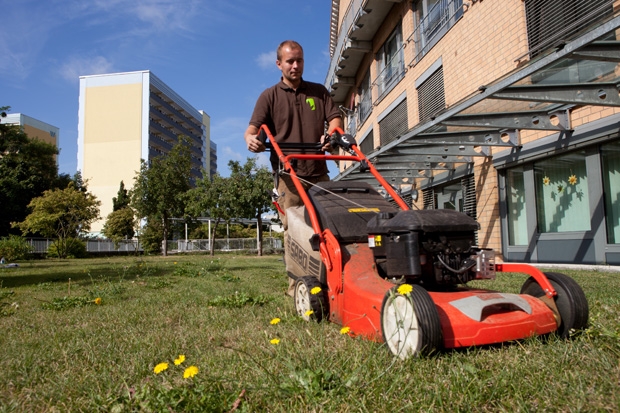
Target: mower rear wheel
(570, 300)
(410, 323)
(310, 306)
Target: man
(295, 111)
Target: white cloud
(75, 67)
(267, 60)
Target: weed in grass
(7, 309)
(159, 284)
(238, 300)
(71, 302)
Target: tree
(27, 168)
(122, 198)
(253, 185)
(120, 225)
(160, 186)
(64, 214)
(214, 198)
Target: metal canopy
(536, 96)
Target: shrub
(74, 248)
(15, 248)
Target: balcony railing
(431, 28)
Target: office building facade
(126, 117)
(507, 110)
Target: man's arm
(251, 139)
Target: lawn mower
(399, 276)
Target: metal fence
(41, 245)
(225, 244)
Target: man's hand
(327, 147)
(254, 145)
(252, 141)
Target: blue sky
(217, 54)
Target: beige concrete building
(507, 110)
(34, 128)
(126, 117)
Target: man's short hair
(290, 43)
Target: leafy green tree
(252, 186)
(213, 198)
(27, 168)
(160, 186)
(121, 200)
(120, 225)
(64, 214)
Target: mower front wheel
(570, 301)
(410, 323)
(310, 302)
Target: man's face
(291, 64)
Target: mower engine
(428, 247)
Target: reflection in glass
(611, 183)
(515, 199)
(562, 203)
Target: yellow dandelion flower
(309, 313)
(274, 321)
(345, 330)
(97, 300)
(546, 180)
(275, 341)
(160, 367)
(315, 290)
(179, 360)
(190, 372)
(572, 179)
(405, 289)
(175, 263)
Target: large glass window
(515, 200)
(433, 19)
(610, 154)
(365, 104)
(562, 202)
(391, 63)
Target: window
(365, 104)
(367, 145)
(610, 155)
(431, 96)
(517, 211)
(562, 202)
(391, 62)
(551, 21)
(394, 124)
(433, 20)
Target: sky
(219, 55)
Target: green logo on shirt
(310, 101)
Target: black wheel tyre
(310, 306)
(410, 323)
(570, 300)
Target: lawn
(86, 335)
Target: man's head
(290, 60)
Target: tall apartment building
(34, 128)
(507, 110)
(126, 117)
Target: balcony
(359, 26)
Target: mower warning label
(357, 210)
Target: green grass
(62, 352)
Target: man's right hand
(252, 141)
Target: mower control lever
(343, 140)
